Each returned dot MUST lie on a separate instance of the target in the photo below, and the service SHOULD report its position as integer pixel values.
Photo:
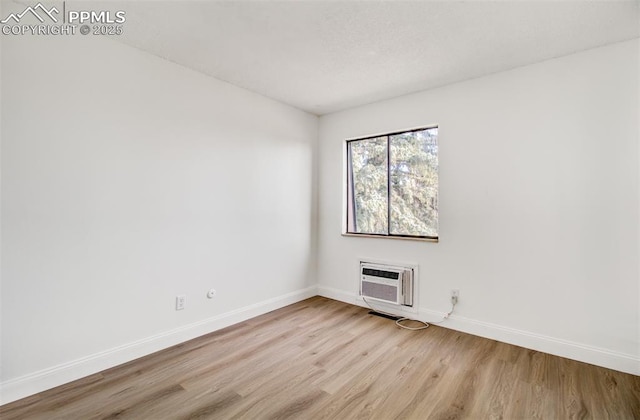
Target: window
(392, 185)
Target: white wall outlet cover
(181, 301)
(211, 293)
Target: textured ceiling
(324, 56)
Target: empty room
(319, 209)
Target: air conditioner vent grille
(379, 291)
(381, 273)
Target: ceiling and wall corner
(324, 56)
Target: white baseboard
(337, 294)
(564, 348)
(42, 380)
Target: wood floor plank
(323, 359)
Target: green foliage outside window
(393, 184)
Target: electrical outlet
(181, 302)
(455, 295)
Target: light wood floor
(322, 359)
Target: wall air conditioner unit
(386, 283)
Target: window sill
(406, 238)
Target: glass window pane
(368, 185)
(413, 172)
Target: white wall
(127, 180)
(538, 205)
